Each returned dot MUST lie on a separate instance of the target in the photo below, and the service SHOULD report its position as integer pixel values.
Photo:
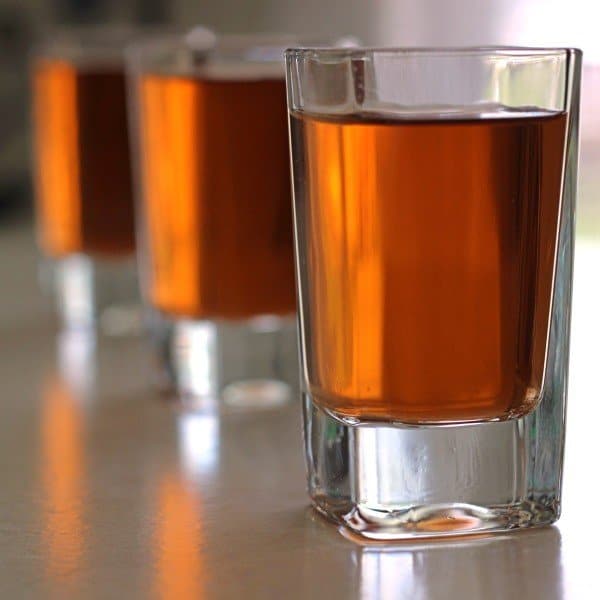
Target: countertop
(110, 490)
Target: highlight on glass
(434, 196)
(84, 200)
(215, 224)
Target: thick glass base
(94, 294)
(394, 482)
(250, 363)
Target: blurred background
(378, 22)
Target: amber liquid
(83, 175)
(429, 252)
(216, 197)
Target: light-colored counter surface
(108, 490)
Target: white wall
(410, 22)
(309, 17)
(466, 22)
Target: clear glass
(82, 171)
(434, 195)
(215, 216)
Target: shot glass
(215, 214)
(82, 172)
(434, 195)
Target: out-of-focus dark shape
(152, 11)
(15, 37)
(80, 11)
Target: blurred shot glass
(215, 213)
(83, 181)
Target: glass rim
(180, 53)
(92, 35)
(179, 39)
(434, 51)
(84, 44)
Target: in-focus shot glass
(83, 175)
(434, 195)
(215, 213)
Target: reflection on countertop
(452, 569)
(178, 540)
(63, 482)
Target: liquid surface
(216, 197)
(83, 174)
(429, 249)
